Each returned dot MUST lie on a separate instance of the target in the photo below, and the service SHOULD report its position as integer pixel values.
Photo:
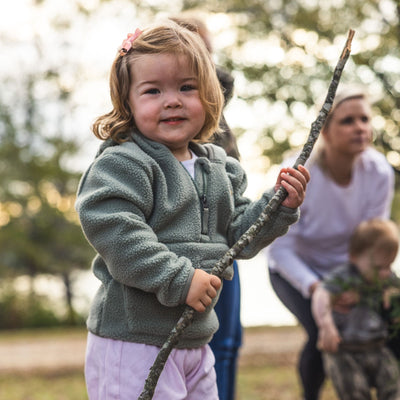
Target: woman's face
(349, 131)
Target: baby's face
(376, 264)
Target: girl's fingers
(294, 184)
(295, 195)
(215, 282)
(302, 175)
(305, 174)
(206, 301)
(211, 293)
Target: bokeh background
(55, 58)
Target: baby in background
(353, 336)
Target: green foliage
(29, 311)
(296, 45)
(394, 316)
(396, 202)
(280, 52)
(39, 231)
(371, 294)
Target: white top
(329, 214)
(189, 164)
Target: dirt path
(20, 353)
(43, 352)
(280, 344)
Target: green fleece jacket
(151, 225)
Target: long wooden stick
(280, 195)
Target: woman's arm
(283, 258)
(328, 335)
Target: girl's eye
(187, 88)
(152, 91)
(365, 119)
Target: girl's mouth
(172, 120)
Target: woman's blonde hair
(166, 38)
(345, 94)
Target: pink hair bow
(127, 43)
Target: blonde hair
(194, 24)
(374, 234)
(345, 94)
(165, 38)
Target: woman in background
(351, 182)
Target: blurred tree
(39, 231)
(282, 54)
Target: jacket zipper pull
(205, 209)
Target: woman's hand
(295, 182)
(328, 338)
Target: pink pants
(117, 370)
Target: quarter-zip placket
(200, 173)
(205, 209)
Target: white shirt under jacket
(319, 240)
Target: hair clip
(127, 43)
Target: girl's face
(349, 131)
(164, 100)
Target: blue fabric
(228, 339)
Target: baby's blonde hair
(375, 234)
(165, 38)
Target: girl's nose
(172, 100)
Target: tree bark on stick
(227, 259)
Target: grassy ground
(58, 385)
(266, 382)
(271, 379)
(261, 377)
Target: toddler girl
(160, 209)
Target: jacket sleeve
(246, 213)
(114, 202)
